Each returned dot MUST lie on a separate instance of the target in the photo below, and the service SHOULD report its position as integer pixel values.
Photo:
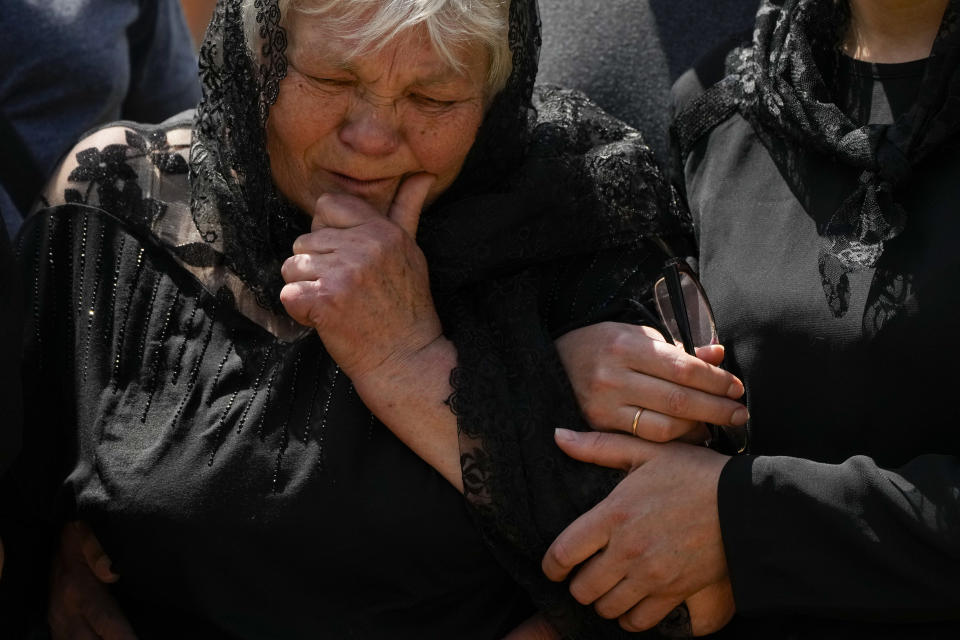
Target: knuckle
(581, 592)
(559, 554)
(658, 575)
(298, 244)
(617, 515)
(606, 610)
(684, 369)
(619, 343)
(599, 380)
(374, 248)
(634, 547)
(652, 333)
(660, 432)
(287, 268)
(637, 619)
(678, 401)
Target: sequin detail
(322, 431)
(181, 352)
(284, 432)
(223, 362)
(126, 317)
(194, 373)
(154, 367)
(256, 387)
(92, 310)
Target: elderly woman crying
(274, 344)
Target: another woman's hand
(654, 542)
(80, 603)
(615, 369)
(535, 628)
(361, 281)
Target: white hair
(452, 25)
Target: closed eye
(431, 103)
(334, 82)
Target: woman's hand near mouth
(361, 281)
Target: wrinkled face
(361, 125)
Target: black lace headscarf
(549, 179)
(783, 84)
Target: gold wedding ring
(636, 419)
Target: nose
(371, 127)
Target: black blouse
(10, 330)
(239, 485)
(847, 507)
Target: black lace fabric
(783, 84)
(549, 226)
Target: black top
(10, 343)
(240, 486)
(549, 178)
(234, 477)
(195, 416)
(860, 522)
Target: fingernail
(740, 417)
(103, 566)
(735, 390)
(566, 435)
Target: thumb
(408, 203)
(96, 558)
(613, 450)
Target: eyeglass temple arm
(672, 277)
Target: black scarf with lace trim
(781, 84)
(553, 192)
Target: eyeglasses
(684, 308)
(688, 318)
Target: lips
(362, 186)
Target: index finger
(665, 361)
(341, 211)
(578, 542)
(96, 558)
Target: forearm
(839, 541)
(409, 395)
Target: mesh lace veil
(236, 206)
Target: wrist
(415, 360)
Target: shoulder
(707, 95)
(128, 170)
(567, 121)
(583, 142)
(708, 71)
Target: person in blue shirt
(70, 65)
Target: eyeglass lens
(702, 328)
